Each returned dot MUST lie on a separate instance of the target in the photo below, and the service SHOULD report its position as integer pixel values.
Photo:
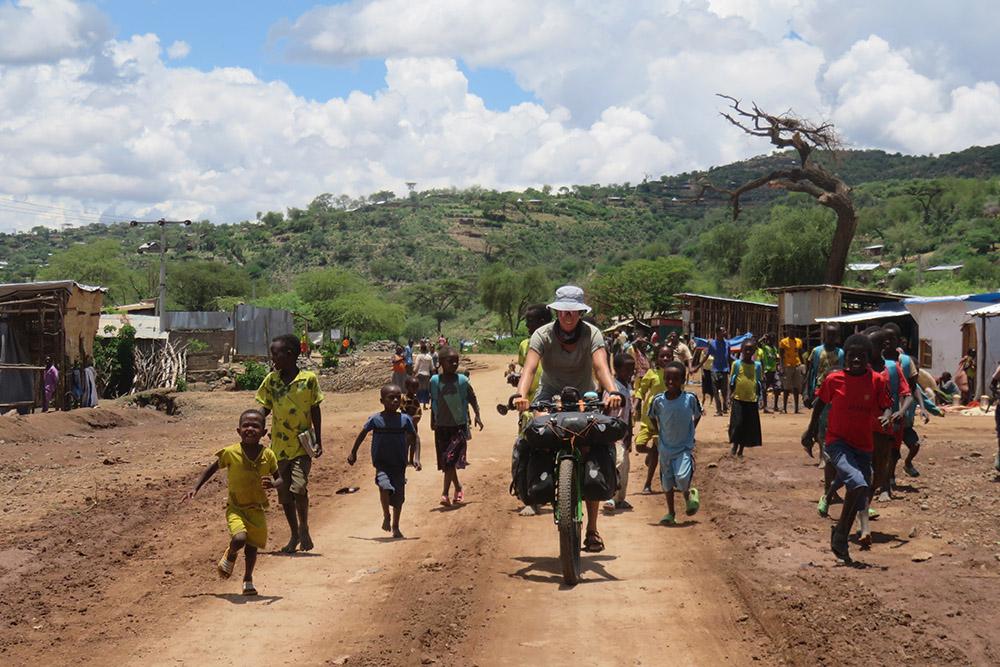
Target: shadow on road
(536, 565)
(383, 539)
(236, 598)
(297, 554)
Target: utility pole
(161, 301)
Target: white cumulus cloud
(623, 90)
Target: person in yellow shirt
(252, 469)
(650, 386)
(747, 383)
(792, 375)
(292, 397)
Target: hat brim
(570, 305)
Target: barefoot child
(747, 383)
(624, 366)
(248, 463)
(394, 446)
(675, 414)
(451, 398)
(858, 398)
(293, 396)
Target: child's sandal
(248, 588)
(225, 566)
(445, 502)
(459, 497)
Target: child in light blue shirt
(675, 413)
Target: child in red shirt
(856, 396)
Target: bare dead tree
(789, 131)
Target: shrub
(251, 377)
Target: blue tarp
(734, 343)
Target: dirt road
(100, 562)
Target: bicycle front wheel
(569, 527)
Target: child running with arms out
(394, 447)
(624, 367)
(252, 469)
(675, 414)
(858, 397)
(451, 398)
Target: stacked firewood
(159, 367)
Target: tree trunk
(847, 223)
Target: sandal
(668, 520)
(225, 566)
(248, 588)
(693, 502)
(459, 497)
(593, 543)
(445, 502)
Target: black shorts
(392, 480)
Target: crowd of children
(864, 398)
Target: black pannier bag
(600, 474)
(552, 431)
(541, 477)
(532, 474)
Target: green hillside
(396, 252)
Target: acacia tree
(440, 298)
(788, 131)
(641, 286)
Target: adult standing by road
(572, 354)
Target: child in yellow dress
(249, 464)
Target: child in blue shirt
(394, 446)
(676, 413)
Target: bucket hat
(569, 297)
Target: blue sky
(225, 33)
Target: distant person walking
(50, 381)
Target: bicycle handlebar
(557, 405)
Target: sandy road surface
(473, 585)
(101, 564)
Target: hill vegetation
(470, 260)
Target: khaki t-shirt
(563, 367)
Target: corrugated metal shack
(799, 307)
(703, 314)
(56, 319)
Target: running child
(394, 447)
(892, 352)
(624, 367)
(858, 397)
(451, 397)
(675, 414)
(293, 396)
(747, 384)
(822, 359)
(719, 349)
(248, 464)
(410, 404)
(650, 386)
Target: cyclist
(572, 353)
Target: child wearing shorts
(675, 414)
(394, 447)
(248, 463)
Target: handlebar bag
(553, 431)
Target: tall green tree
(641, 286)
(96, 263)
(198, 285)
(327, 284)
(791, 249)
(507, 292)
(440, 299)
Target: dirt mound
(379, 346)
(46, 425)
(357, 372)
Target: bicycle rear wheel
(569, 527)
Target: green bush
(182, 384)
(330, 351)
(114, 359)
(251, 377)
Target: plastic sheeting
(256, 327)
(15, 385)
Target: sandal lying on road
(593, 543)
(225, 566)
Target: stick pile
(160, 367)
